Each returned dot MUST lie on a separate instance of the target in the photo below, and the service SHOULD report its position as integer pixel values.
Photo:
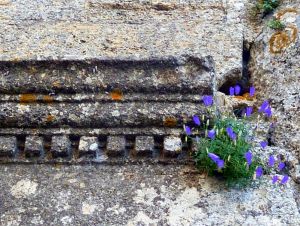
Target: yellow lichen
(278, 42)
(27, 98)
(47, 98)
(284, 11)
(50, 118)
(170, 122)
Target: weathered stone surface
(138, 195)
(8, 145)
(144, 145)
(88, 145)
(274, 67)
(60, 146)
(116, 145)
(34, 146)
(124, 30)
(172, 145)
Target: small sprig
(276, 24)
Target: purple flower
(263, 144)
(259, 171)
(271, 161)
(237, 90)
(196, 120)
(263, 106)
(230, 133)
(208, 100)
(284, 179)
(231, 91)
(248, 157)
(188, 130)
(274, 179)
(248, 111)
(214, 157)
(268, 111)
(211, 134)
(281, 166)
(252, 91)
(220, 164)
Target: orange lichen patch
(282, 39)
(170, 122)
(116, 94)
(48, 99)
(292, 32)
(284, 11)
(279, 41)
(27, 98)
(50, 118)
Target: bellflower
(248, 157)
(259, 171)
(188, 130)
(252, 91)
(263, 144)
(249, 111)
(284, 179)
(213, 157)
(220, 164)
(263, 106)
(208, 100)
(271, 161)
(281, 166)
(237, 90)
(211, 134)
(230, 133)
(274, 179)
(231, 91)
(196, 120)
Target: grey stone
(34, 146)
(88, 145)
(8, 145)
(172, 145)
(116, 145)
(138, 195)
(274, 68)
(144, 145)
(60, 146)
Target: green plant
(224, 144)
(267, 6)
(232, 151)
(275, 24)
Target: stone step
(86, 149)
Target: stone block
(8, 145)
(172, 145)
(88, 146)
(60, 146)
(144, 145)
(34, 146)
(116, 145)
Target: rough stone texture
(138, 195)
(34, 146)
(111, 29)
(274, 67)
(60, 146)
(172, 145)
(116, 145)
(8, 146)
(88, 145)
(144, 145)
